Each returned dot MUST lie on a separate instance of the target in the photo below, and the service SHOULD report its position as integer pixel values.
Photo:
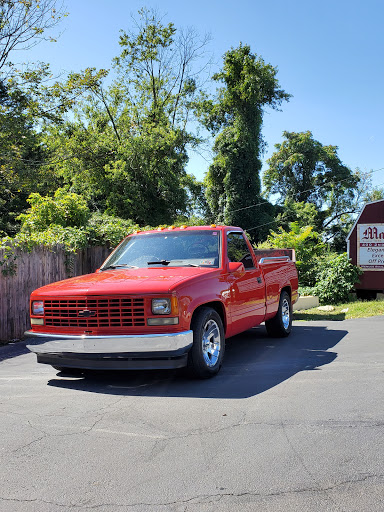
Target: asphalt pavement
(288, 425)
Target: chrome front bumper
(44, 343)
(146, 351)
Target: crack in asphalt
(321, 423)
(244, 423)
(86, 430)
(303, 464)
(161, 440)
(300, 458)
(203, 498)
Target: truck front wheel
(280, 325)
(206, 355)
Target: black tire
(206, 355)
(280, 326)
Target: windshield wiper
(167, 262)
(159, 262)
(118, 266)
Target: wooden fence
(35, 269)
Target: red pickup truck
(163, 299)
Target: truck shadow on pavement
(253, 364)
(11, 350)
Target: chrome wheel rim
(285, 313)
(211, 343)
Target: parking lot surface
(288, 425)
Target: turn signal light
(37, 321)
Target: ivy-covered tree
(235, 117)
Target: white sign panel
(370, 246)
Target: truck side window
(237, 250)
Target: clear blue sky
(330, 56)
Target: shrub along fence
(41, 266)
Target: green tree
(304, 170)
(156, 71)
(23, 24)
(19, 144)
(304, 214)
(376, 194)
(126, 150)
(27, 107)
(233, 181)
(367, 192)
(29, 100)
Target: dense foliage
(66, 220)
(326, 274)
(307, 244)
(302, 170)
(126, 149)
(86, 161)
(335, 278)
(64, 209)
(30, 101)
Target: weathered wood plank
(38, 268)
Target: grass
(356, 309)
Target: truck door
(247, 303)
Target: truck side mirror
(235, 266)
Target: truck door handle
(259, 280)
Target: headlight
(161, 306)
(37, 307)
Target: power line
(302, 192)
(274, 221)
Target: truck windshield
(169, 249)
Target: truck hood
(122, 281)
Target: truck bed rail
(274, 259)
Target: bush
(64, 209)
(306, 290)
(108, 230)
(335, 277)
(307, 244)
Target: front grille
(95, 312)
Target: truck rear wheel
(207, 352)
(280, 325)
